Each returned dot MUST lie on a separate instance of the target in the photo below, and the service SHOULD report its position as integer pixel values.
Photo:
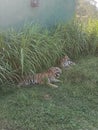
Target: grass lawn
(72, 106)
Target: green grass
(32, 49)
(72, 106)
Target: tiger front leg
(52, 85)
(48, 82)
(55, 80)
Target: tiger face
(56, 71)
(66, 62)
(49, 77)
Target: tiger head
(66, 62)
(56, 71)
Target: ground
(72, 106)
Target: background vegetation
(86, 9)
(33, 49)
(74, 104)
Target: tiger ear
(66, 57)
(50, 69)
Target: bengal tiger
(66, 62)
(48, 77)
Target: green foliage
(86, 10)
(85, 71)
(33, 48)
(71, 106)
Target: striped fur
(66, 62)
(48, 77)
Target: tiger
(49, 77)
(66, 62)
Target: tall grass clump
(92, 30)
(33, 49)
(27, 51)
(80, 40)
